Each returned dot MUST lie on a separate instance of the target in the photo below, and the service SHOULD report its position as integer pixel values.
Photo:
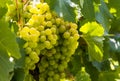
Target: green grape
(50, 37)
(53, 20)
(50, 73)
(62, 75)
(44, 23)
(76, 36)
(44, 62)
(58, 21)
(24, 33)
(53, 29)
(32, 67)
(55, 66)
(64, 49)
(28, 50)
(37, 50)
(53, 50)
(27, 15)
(71, 39)
(48, 16)
(56, 77)
(41, 46)
(52, 62)
(39, 5)
(62, 57)
(56, 37)
(57, 55)
(72, 31)
(66, 35)
(41, 79)
(41, 28)
(73, 25)
(48, 32)
(42, 32)
(33, 55)
(49, 24)
(27, 60)
(62, 29)
(47, 44)
(44, 8)
(43, 38)
(53, 42)
(41, 69)
(61, 68)
(50, 79)
(64, 63)
(32, 44)
(34, 10)
(66, 42)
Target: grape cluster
(50, 42)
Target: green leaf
(92, 34)
(20, 63)
(82, 76)
(88, 10)
(8, 40)
(2, 11)
(102, 66)
(18, 75)
(92, 29)
(63, 7)
(95, 48)
(76, 62)
(108, 76)
(76, 1)
(104, 16)
(6, 67)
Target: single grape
(52, 62)
(28, 50)
(50, 73)
(66, 35)
(49, 24)
(56, 77)
(48, 32)
(58, 21)
(62, 29)
(48, 16)
(40, 28)
(43, 38)
(61, 68)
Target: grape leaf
(6, 67)
(8, 40)
(76, 1)
(92, 34)
(104, 16)
(82, 76)
(75, 64)
(108, 76)
(63, 7)
(88, 10)
(18, 75)
(92, 29)
(20, 63)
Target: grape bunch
(50, 43)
